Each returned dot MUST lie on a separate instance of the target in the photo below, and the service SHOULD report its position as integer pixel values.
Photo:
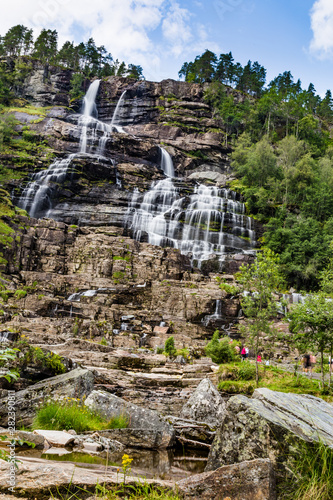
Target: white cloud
(176, 29)
(145, 32)
(322, 27)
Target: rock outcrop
(252, 480)
(147, 424)
(205, 405)
(270, 425)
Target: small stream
(162, 464)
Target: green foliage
(7, 356)
(35, 355)
(234, 378)
(312, 473)
(208, 68)
(71, 413)
(139, 491)
(118, 275)
(259, 282)
(220, 350)
(169, 346)
(20, 294)
(312, 322)
(7, 128)
(45, 46)
(76, 86)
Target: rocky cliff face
(170, 113)
(83, 273)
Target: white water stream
(36, 197)
(209, 223)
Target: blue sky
(295, 35)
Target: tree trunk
(257, 367)
(322, 368)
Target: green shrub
(118, 275)
(73, 414)
(169, 347)
(183, 352)
(35, 355)
(20, 294)
(104, 341)
(220, 350)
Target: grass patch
(71, 413)
(139, 491)
(28, 109)
(312, 474)
(238, 378)
(7, 174)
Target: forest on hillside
(282, 155)
(19, 50)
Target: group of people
(310, 360)
(245, 353)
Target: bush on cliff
(221, 350)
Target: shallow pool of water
(163, 464)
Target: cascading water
(167, 163)
(213, 317)
(195, 224)
(117, 113)
(36, 197)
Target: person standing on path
(306, 363)
(313, 361)
(243, 354)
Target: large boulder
(74, 384)
(205, 405)
(149, 421)
(270, 425)
(254, 480)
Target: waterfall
(209, 223)
(36, 198)
(167, 163)
(117, 112)
(90, 126)
(213, 317)
(4, 337)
